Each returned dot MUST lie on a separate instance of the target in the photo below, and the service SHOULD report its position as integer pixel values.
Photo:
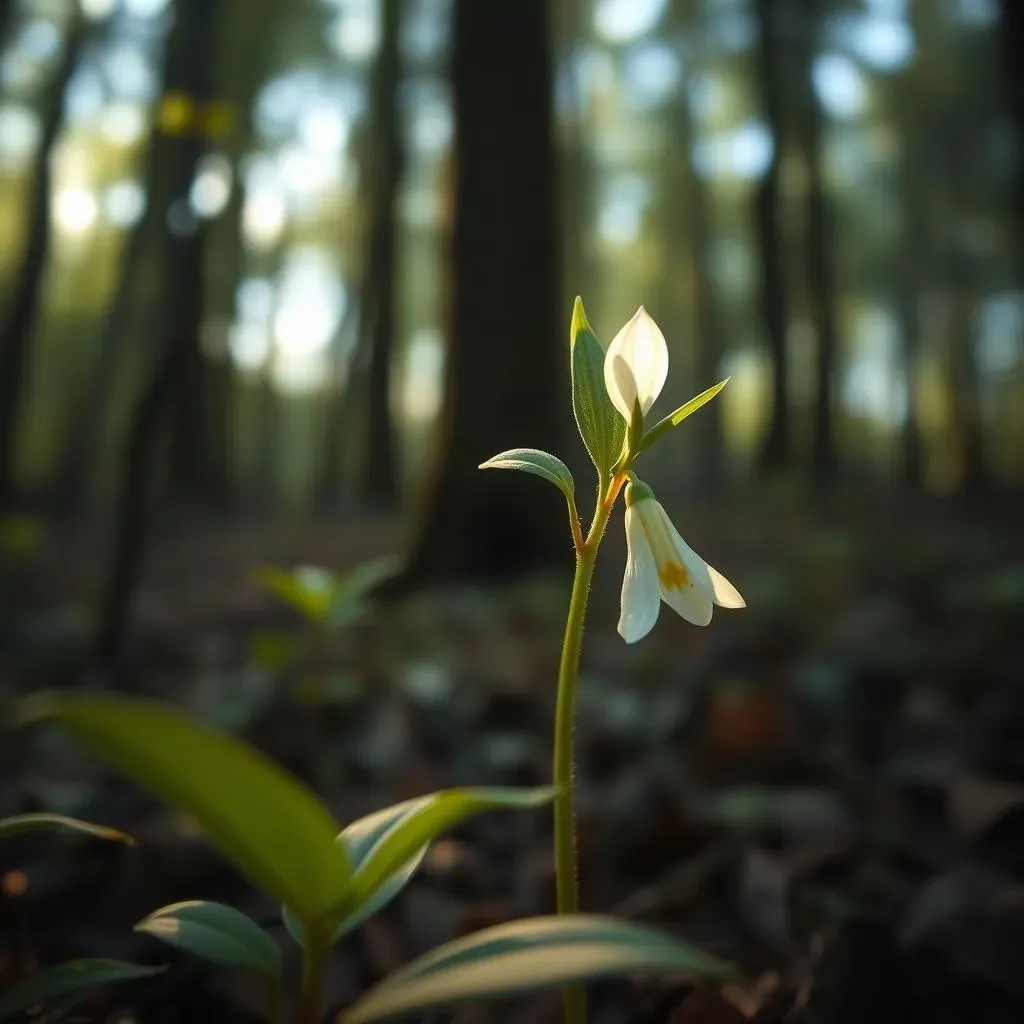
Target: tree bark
(776, 451)
(507, 366)
(19, 329)
(188, 71)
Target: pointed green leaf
(431, 816)
(359, 839)
(602, 428)
(76, 977)
(532, 460)
(528, 955)
(274, 829)
(31, 822)
(673, 419)
(217, 933)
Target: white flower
(636, 364)
(661, 566)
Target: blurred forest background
(276, 275)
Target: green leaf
(309, 589)
(75, 977)
(602, 428)
(217, 933)
(275, 830)
(431, 816)
(532, 460)
(528, 955)
(673, 419)
(359, 838)
(21, 823)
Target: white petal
(715, 585)
(642, 346)
(640, 600)
(691, 602)
(726, 595)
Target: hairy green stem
(566, 866)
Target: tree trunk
(1012, 36)
(19, 329)
(507, 365)
(819, 257)
(188, 71)
(776, 451)
(380, 487)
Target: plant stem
(316, 951)
(566, 867)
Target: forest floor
(826, 788)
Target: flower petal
(726, 595)
(690, 601)
(642, 346)
(714, 584)
(640, 599)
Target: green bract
(603, 430)
(673, 419)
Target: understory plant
(329, 879)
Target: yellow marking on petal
(673, 575)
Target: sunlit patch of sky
(354, 33)
(423, 376)
(305, 173)
(652, 74)
(264, 217)
(40, 40)
(85, 95)
(593, 68)
(97, 10)
(129, 70)
(874, 383)
(425, 30)
(323, 128)
(978, 14)
(744, 153)
(419, 206)
(622, 21)
(19, 135)
(124, 202)
(622, 208)
(123, 124)
(427, 109)
(881, 41)
(285, 101)
(310, 305)
(74, 209)
(999, 322)
(145, 8)
(211, 187)
(732, 31)
(839, 86)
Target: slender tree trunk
(19, 329)
(1011, 34)
(379, 479)
(819, 257)
(777, 448)
(507, 365)
(188, 71)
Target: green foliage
(602, 428)
(268, 824)
(527, 955)
(21, 823)
(73, 979)
(215, 932)
(673, 419)
(532, 460)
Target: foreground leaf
(21, 823)
(217, 933)
(673, 419)
(75, 977)
(527, 955)
(358, 839)
(533, 460)
(275, 830)
(602, 428)
(431, 816)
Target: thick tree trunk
(507, 365)
(188, 71)
(776, 451)
(19, 329)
